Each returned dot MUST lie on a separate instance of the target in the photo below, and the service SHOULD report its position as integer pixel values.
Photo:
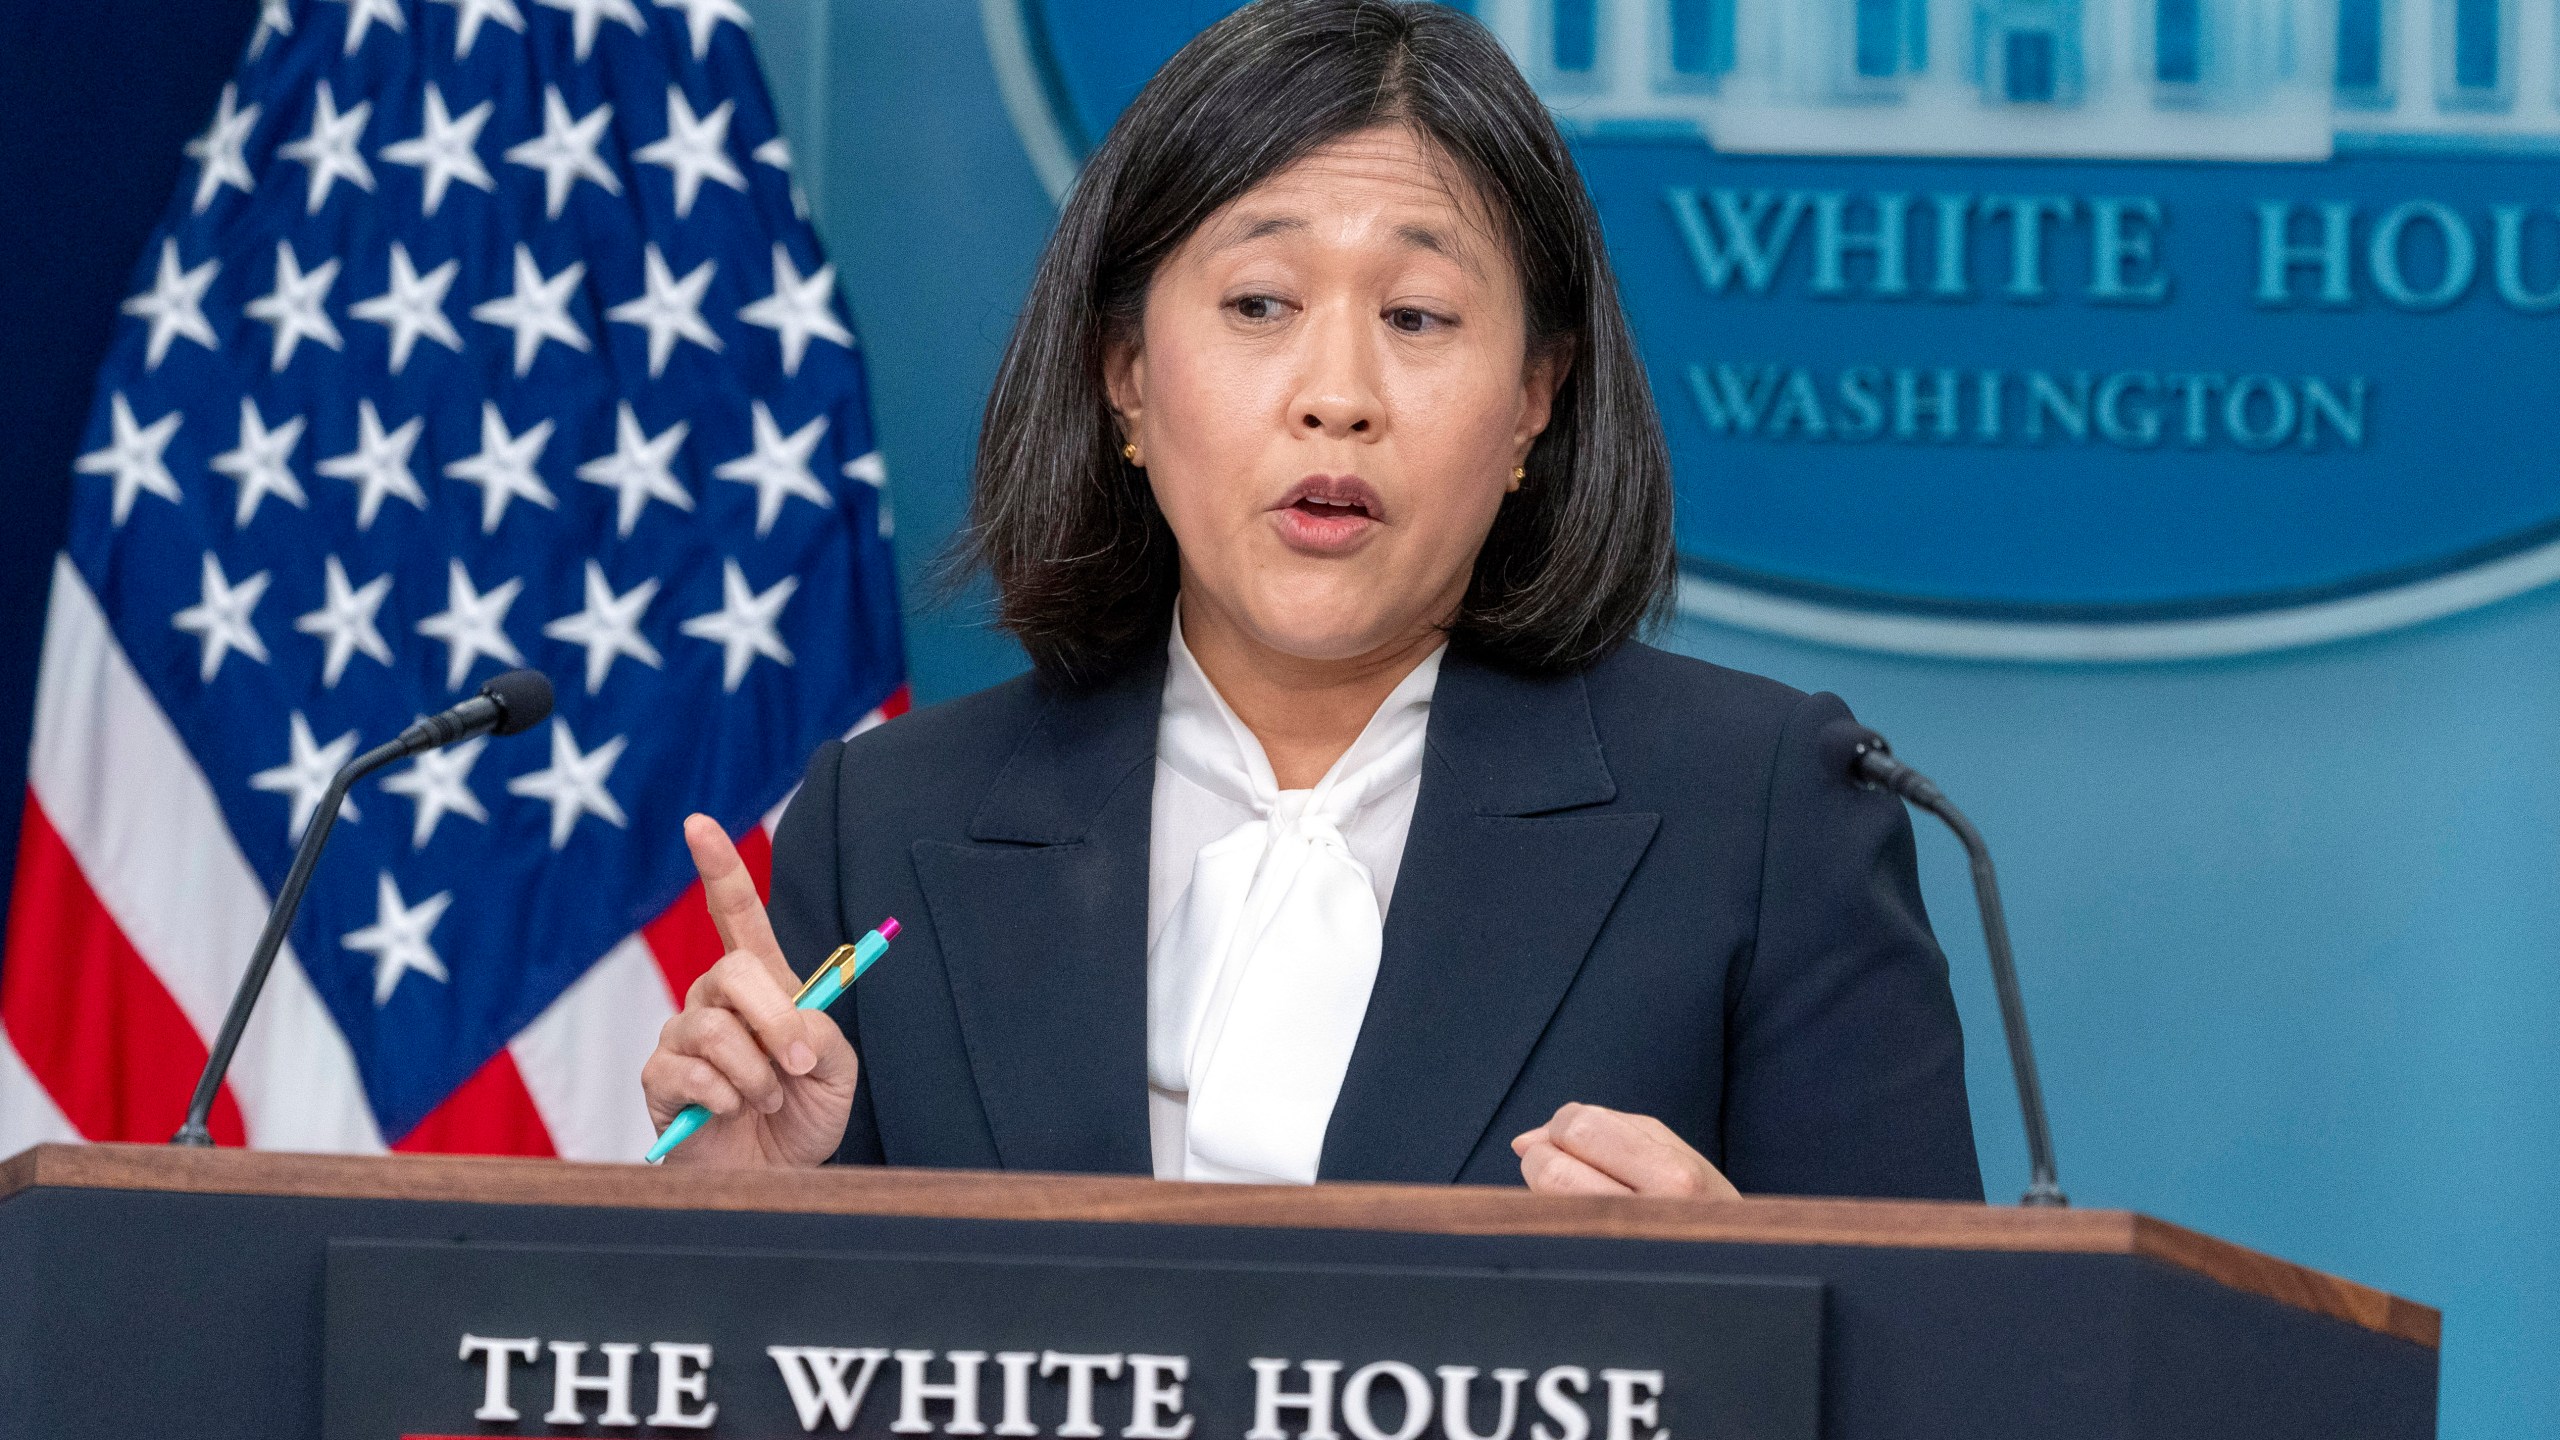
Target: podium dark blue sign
(2046, 329)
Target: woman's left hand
(1589, 1150)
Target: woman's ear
(1124, 383)
(1540, 379)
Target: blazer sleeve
(808, 918)
(1844, 1071)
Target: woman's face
(1329, 392)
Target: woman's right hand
(777, 1081)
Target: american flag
(480, 333)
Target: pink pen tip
(889, 928)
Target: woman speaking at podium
(1343, 830)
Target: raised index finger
(729, 892)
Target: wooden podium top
(1414, 1209)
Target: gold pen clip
(837, 958)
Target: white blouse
(1264, 912)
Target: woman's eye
(1410, 320)
(1257, 307)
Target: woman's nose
(1335, 417)
(1338, 394)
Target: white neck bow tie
(1270, 956)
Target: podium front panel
(186, 1312)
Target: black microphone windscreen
(1840, 744)
(523, 698)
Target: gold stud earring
(1518, 474)
(1129, 452)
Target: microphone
(1862, 754)
(508, 704)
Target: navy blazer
(1636, 885)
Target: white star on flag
(472, 624)
(362, 13)
(345, 621)
(693, 150)
(609, 626)
(439, 782)
(219, 151)
(504, 468)
(669, 309)
(133, 457)
(704, 16)
(221, 618)
(174, 305)
(778, 467)
(303, 779)
(469, 14)
(584, 15)
(397, 939)
(565, 151)
(798, 310)
(275, 17)
(329, 148)
(298, 306)
(776, 152)
(262, 463)
(445, 150)
(638, 471)
(743, 626)
(538, 310)
(873, 471)
(379, 465)
(574, 784)
(412, 306)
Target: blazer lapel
(1502, 891)
(1042, 926)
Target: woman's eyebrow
(1423, 237)
(1245, 233)
(1442, 244)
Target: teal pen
(819, 991)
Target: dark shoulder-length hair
(1083, 563)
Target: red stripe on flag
(489, 1114)
(85, 1010)
(684, 939)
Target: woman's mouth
(1328, 514)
